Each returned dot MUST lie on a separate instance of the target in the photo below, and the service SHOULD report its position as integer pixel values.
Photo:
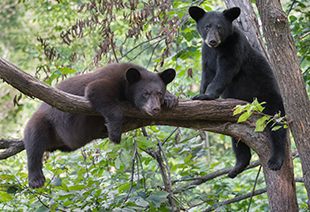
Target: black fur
(232, 68)
(50, 129)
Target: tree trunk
(280, 184)
(285, 63)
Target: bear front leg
(242, 155)
(114, 120)
(104, 97)
(170, 100)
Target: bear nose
(155, 110)
(212, 43)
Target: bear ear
(232, 13)
(196, 13)
(167, 75)
(132, 75)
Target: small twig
(304, 55)
(113, 49)
(303, 36)
(175, 129)
(153, 51)
(236, 199)
(132, 170)
(140, 162)
(291, 7)
(168, 170)
(137, 46)
(200, 180)
(144, 132)
(260, 167)
(38, 197)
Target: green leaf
(141, 202)
(63, 197)
(5, 197)
(155, 200)
(144, 143)
(162, 194)
(261, 124)
(244, 117)
(43, 209)
(188, 158)
(77, 187)
(126, 159)
(275, 128)
(239, 109)
(123, 187)
(117, 163)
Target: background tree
(89, 34)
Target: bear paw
(275, 163)
(171, 101)
(203, 97)
(36, 181)
(238, 168)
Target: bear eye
(146, 94)
(208, 26)
(218, 27)
(160, 94)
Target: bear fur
(50, 129)
(232, 68)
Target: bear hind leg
(278, 143)
(36, 139)
(243, 157)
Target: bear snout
(152, 106)
(212, 43)
(213, 39)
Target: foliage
(300, 25)
(55, 39)
(247, 110)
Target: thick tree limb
(216, 116)
(11, 146)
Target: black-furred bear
(232, 68)
(50, 129)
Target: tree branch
(215, 116)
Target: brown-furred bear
(50, 129)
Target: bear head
(214, 27)
(146, 90)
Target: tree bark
(281, 189)
(285, 63)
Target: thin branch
(305, 54)
(132, 171)
(291, 7)
(175, 129)
(242, 197)
(160, 145)
(113, 49)
(254, 188)
(303, 36)
(200, 180)
(236, 199)
(137, 46)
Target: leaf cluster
(275, 121)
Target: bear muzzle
(213, 39)
(152, 106)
